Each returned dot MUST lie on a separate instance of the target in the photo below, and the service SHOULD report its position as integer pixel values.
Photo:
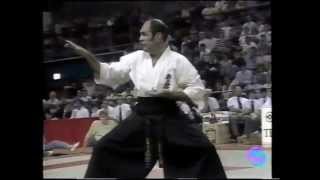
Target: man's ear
(158, 36)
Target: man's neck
(156, 55)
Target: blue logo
(257, 156)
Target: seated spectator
(94, 110)
(57, 144)
(253, 121)
(209, 11)
(236, 104)
(241, 4)
(79, 111)
(208, 39)
(250, 58)
(227, 68)
(211, 104)
(89, 86)
(250, 24)
(221, 5)
(53, 100)
(261, 75)
(108, 105)
(208, 103)
(247, 44)
(84, 96)
(222, 44)
(186, 50)
(265, 96)
(263, 46)
(226, 29)
(67, 110)
(54, 112)
(204, 51)
(98, 129)
(243, 77)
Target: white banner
(266, 117)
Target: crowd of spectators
(229, 42)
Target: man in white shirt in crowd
(156, 129)
(253, 120)
(84, 96)
(266, 96)
(79, 111)
(208, 104)
(237, 105)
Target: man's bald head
(153, 36)
(158, 26)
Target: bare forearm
(90, 58)
(85, 142)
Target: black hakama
(185, 151)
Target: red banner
(68, 130)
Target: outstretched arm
(90, 58)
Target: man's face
(147, 40)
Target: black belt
(149, 143)
(157, 107)
(162, 107)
